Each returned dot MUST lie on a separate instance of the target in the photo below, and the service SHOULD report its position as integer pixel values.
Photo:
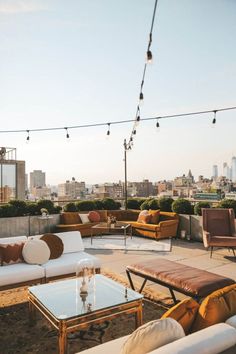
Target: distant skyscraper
(233, 168)
(226, 171)
(215, 171)
(37, 179)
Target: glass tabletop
(64, 301)
(104, 225)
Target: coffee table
(62, 305)
(103, 227)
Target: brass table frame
(65, 326)
(103, 226)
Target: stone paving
(185, 252)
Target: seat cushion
(184, 313)
(67, 264)
(190, 280)
(19, 273)
(223, 241)
(216, 308)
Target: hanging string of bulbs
(149, 57)
(108, 125)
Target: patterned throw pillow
(94, 216)
(55, 245)
(144, 218)
(11, 253)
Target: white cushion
(84, 218)
(16, 239)
(36, 252)
(231, 321)
(113, 347)
(211, 340)
(72, 241)
(152, 335)
(21, 272)
(67, 264)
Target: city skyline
(82, 64)
(221, 172)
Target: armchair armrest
(206, 238)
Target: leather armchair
(219, 228)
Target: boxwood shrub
(182, 206)
(198, 207)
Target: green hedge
(198, 207)
(182, 206)
(227, 204)
(21, 208)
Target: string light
(149, 57)
(67, 134)
(134, 121)
(157, 124)
(108, 131)
(214, 119)
(28, 137)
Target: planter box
(192, 224)
(27, 225)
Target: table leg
(32, 314)
(139, 316)
(62, 338)
(125, 236)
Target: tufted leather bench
(187, 280)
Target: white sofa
(216, 339)
(22, 273)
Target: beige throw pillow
(36, 252)
(84, 218)
(153, 335)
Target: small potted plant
(44, 212)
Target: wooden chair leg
(233, 252)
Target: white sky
(65, 63)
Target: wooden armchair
(219, 228)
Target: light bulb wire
(141, 96)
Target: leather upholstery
(189, 280)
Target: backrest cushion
(218, 221)
(152, 335)
(72, 241)
(55, 245)
(94, 216)
(184, 313)
(216, 308)
(70, 218)
(103, 214)
(11, 253)
(36, 252)
(155, 216)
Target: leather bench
(187, 280)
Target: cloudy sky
(68, 63)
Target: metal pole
(125, 161)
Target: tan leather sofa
(166, 228)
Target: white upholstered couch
(216, 339)
(14, 275)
